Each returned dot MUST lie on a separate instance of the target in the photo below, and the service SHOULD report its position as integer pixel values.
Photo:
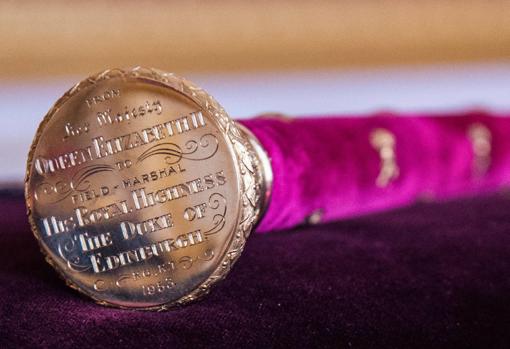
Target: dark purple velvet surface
(427, 276)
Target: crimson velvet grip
(328, 168)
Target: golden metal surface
(481, 141)
(141, 190)
(383, 141)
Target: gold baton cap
(141, 190)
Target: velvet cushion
(426, 276)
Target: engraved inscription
(152, 176)
(107, 117)
(140, 189)
(102, 147)
(75, 130)
(131, 229)
(101, 263)
(102, 97)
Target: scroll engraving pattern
(174, 153)
(69, 251)
(79, 183)
(217, 201)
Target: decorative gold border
(250, 166)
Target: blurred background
(295, 57)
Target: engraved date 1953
(159, 287)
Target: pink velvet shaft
(328, 164)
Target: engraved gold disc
(141, 190)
